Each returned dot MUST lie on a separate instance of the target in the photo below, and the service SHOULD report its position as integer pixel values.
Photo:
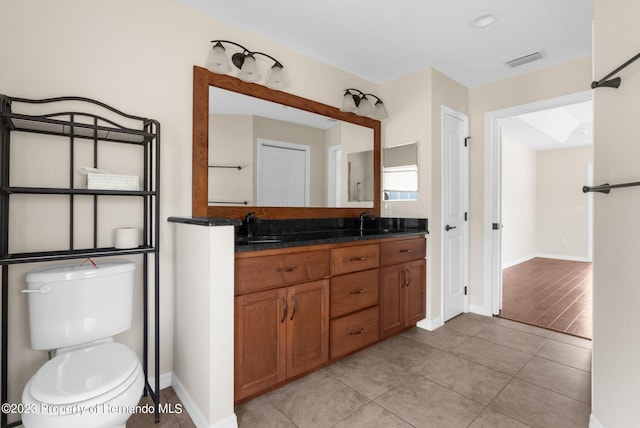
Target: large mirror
(249, 140)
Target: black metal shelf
(76, 126)
(67, 191)
(49, 256)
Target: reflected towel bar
(615, 82)
(225, 166)
(230, 202)
(606, 187)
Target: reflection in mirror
(360, 181)
(400, 172)
(265, 154)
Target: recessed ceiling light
(484, 19)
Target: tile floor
(176, 416)
(475, 372)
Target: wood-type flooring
(549, 293)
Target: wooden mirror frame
(202, 79)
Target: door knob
(448, 228)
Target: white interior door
(283, 174)
(455, 212)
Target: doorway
(539, 158)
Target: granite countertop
(271, 234)
(268, 242)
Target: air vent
(524, 59)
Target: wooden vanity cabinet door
(308, 326)
(391, 300)
(260, 341)
(402, 296)
(415, 292)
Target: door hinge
(496, 226)
(467, 140)
(466, 216)
(465, 290)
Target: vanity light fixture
(246, 62)
(356, 101)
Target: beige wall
(616, 282)
(137, 56)
(568, 78)
(544, 211)
(231, 143)
(518, 202)
(562, 226)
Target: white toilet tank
(76, 304)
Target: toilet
(92, 382)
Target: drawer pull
(361, 291)
(408, 250)
(291, 269)
(357, 259)
(357, 332)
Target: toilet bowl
(92, 382)
(98, 386)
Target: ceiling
(557, 128)
(381, 40)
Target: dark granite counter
(206, 221)
(270, 234)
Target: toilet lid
(83, 374)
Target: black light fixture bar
(219, 65)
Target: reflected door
(283, 174)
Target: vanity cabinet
(402, 285)
(295, 311)
(283, 331)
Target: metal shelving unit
(82, 125)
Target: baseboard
(594, 422)
(518, 261)
(430, 325)
(198, 419)
(165, 380)
(563, 257)
(480, 310)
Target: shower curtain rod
(615, 82)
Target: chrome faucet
(365, 216)
(251, 220)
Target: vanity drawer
(395, 252)
(354, 332)
(353, 259)
(354, 291)
(266, 272)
